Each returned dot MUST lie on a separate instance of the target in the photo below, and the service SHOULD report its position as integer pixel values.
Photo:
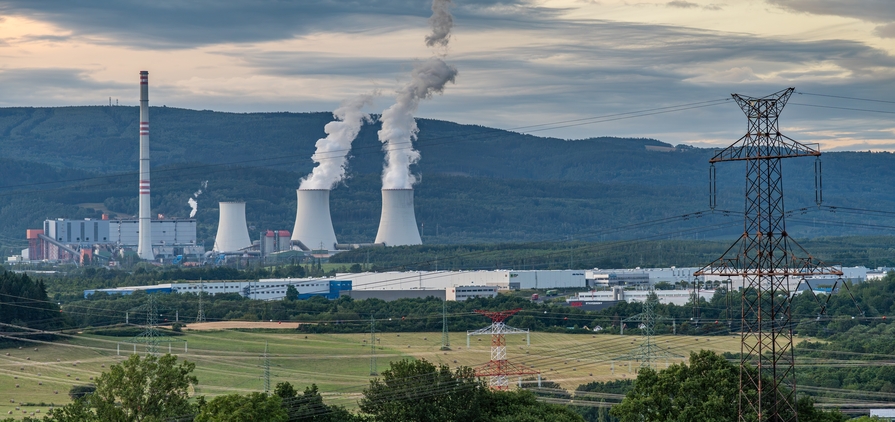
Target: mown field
(231, 361)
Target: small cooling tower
(313, 224)
(397, 225)
(233, 234)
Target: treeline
(24, 302)
(870, 251)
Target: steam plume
(399, 127)
(194, 205)
(192, 201)
(441, 22)
(332, 151)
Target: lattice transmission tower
(770, 263)
(201, 316)
(445, 339)
(498, 369)
(649, 352)
(151, 334)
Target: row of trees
(157, 389)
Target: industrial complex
(105, 241)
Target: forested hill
(478, 184)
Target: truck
(534, 297)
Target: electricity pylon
(766, 257)
(445, 341)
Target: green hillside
(478, 184)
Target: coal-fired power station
(233, 232)
(397, 225)
(144, 244)
(313, 224)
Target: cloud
(885, 31)
(57, 86)
(186, 24)
(681, 4)
(867, 10)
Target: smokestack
(397, 225)
(313, 224)
(144, 244)
(233, 233)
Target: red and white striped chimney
(144, 244)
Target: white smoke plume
(441, 22)
(399, 127)
(192, 201)
(331, 155)
(194, 205)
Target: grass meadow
(36, 375)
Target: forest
(477, 185)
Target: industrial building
(271, 289)
(273, 241)
(606, 298)
(502, 279)
(390, 295)
(462, 293)
(636, 277)
(64, 239)
(598, 279)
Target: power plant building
(64, 239)
(273, 241)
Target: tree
(78, 391)
(238, 408)
(418, 391)
(309, 406)
(285, 390)
(291, 293)
(522, 406)
(147, 389)
(706, 390)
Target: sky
(545, 67)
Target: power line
(846, 98)
(844, 108)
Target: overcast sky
(520, 62)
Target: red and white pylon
(498, 369)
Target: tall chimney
(397, 225)
(313, 224)
(233, 233)
(144, 244)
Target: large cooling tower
(313, 224)
(233, 234)
(397, 225)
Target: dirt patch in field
(229, 325)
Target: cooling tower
(144, 242)
(397, 225)
(233, 234)
(313, 224)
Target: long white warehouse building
(439, 280)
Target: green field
(230, 361)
